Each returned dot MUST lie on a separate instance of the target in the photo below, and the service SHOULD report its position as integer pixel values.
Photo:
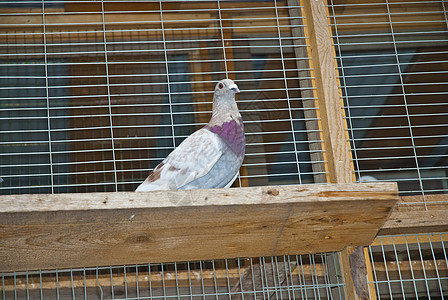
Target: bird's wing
(192, 159)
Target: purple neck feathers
(232, 132)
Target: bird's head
(224, 104)
(226, 87)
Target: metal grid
(94, 94)
(393, 60)
(409, 267)
(294, 277)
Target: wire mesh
(392, 62)
(409, 267)
(293, 277)
(94, 94)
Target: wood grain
(74, 230)
(330, 104)
(412, 216)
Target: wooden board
(73, 230)
(412, 216)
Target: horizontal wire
(146, 42)
(183, 10)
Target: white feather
(192, 159)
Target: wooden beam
(73, 230)
(331, 111)
(308, 92)
(334, 128)
(411, 216)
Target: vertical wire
(423, 267)
(177, 280)
(303, 278)
(125, 283)
(240, 278)
(136, 280)
(313, 279)
(335, 264)
(264, 288)
(291, 118)
(264, 276)
(299, 278)
(313, 258)
(444, 13)
(167, 72)
(57, 284)
(444, 250)
(215, 283)
(109, 104)
(99, 285)
(398, 268)
(435, 265)
(410, 265)
(3, 286)
(276, 277)
(253, 277)
(375, 276)
(223, 41)
(344, 82)
(27, 287)
(189, 281)
(202, 280)
(408, 117)
(287, 271)
(228, 279)
(47, 90)
(326, 276)
(111, 283)
(41, 285)
(163, 281)
(383, 252)
(73, 285)
(84, 275)
(149, 281)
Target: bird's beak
(234, 88)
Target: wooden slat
(181, 278)
(73, 230)
(411, 215)
(410, 239)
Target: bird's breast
(232, 133)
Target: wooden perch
(73, 230)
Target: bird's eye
(220, 85)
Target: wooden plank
(411, 216)
(72, 230)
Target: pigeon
(210, 157)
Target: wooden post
(335, 135)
